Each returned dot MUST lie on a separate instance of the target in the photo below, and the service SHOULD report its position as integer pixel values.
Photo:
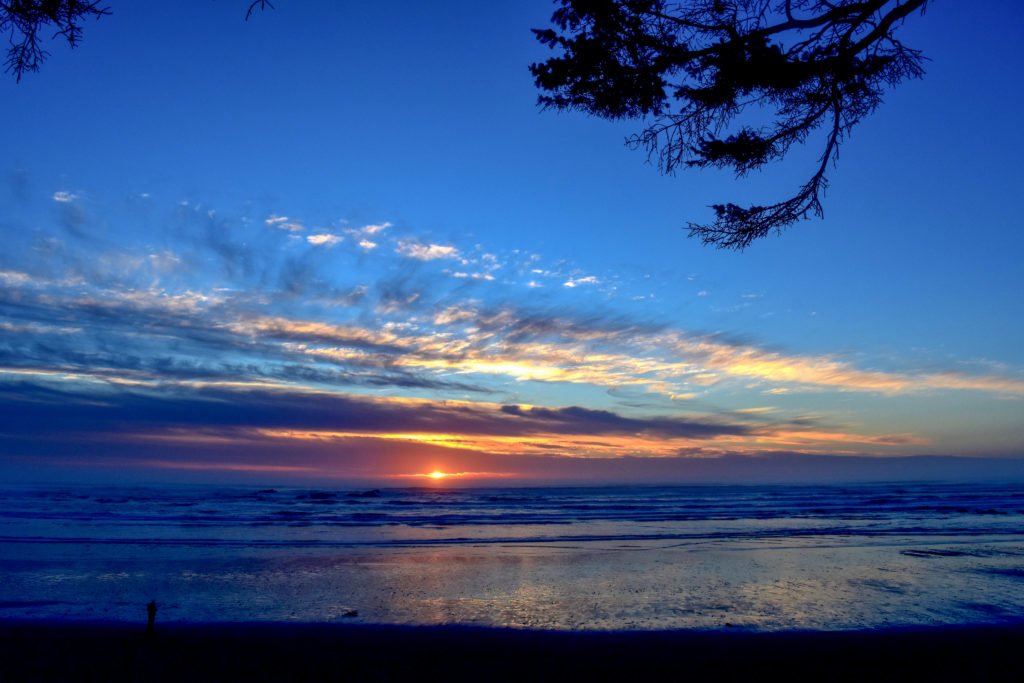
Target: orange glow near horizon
(613, 445)
(438, 475)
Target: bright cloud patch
(374, 228)
(576, 282)
(323, 240)
(426, 252)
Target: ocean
(695, 557)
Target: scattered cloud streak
(213, 328)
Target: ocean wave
(247, 513)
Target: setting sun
(437, 475)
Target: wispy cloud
(283, 223)
(367, 236)
(218, 310)
(473, 276)
(576, 282)
(210, 416)
(324, 239)
(426, 252)
(374, 228)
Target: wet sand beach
(63, 651)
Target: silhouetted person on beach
(151, 620)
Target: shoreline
(37, 650)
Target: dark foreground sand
(39, 651)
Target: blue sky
(341, 240)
